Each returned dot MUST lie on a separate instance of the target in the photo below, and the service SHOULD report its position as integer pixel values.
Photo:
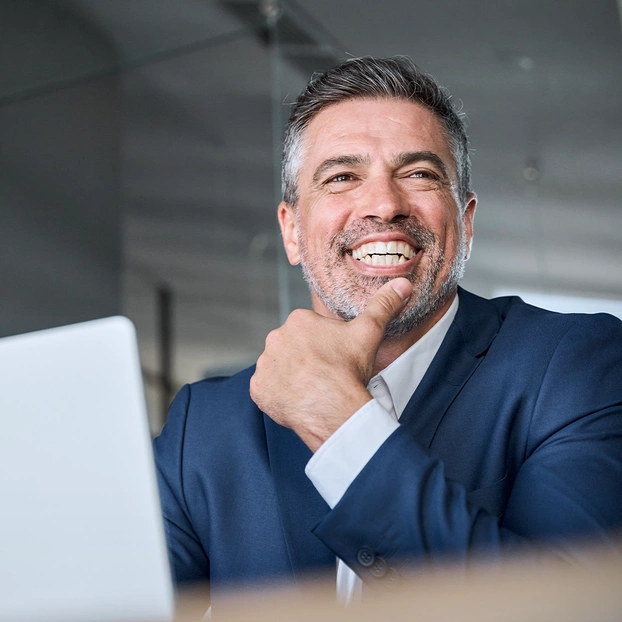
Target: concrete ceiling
(538, 79)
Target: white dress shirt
(338, 461)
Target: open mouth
(391, 253)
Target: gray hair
(378, 78)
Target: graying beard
(342, 305)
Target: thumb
(385, 304)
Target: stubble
(346, 292)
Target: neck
(392, 348)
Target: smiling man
(379, 199)
(403, 421)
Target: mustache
(410, 227)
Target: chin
(434, 282)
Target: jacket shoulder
(512, 311)
(220, 391)
(212, 408)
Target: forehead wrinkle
(342, 160)
(412, 157)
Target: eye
(340, 178)
(424, 175)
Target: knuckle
(296, 313)
(383, 310)
(272, 337)
(386, 303)
(253, 385)
(298, 316)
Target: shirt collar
(403, 375)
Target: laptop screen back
(81, 536)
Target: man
(402, 421)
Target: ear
(468, 217)
(289, 232)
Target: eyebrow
(343, 160)
(403, 159)
(411, 157)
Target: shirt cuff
(338, 461)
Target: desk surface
(530, 589)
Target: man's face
(378, 199)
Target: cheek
(451, 243)
(452, 233)
(321, 231)
(448, 228)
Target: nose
(385, 201)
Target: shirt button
(365, 556)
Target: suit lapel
(468, 338)
(302, 507)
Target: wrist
(315, 431)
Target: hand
(314, 371)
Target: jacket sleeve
(402, 510)
(188, 558)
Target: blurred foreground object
(542, 589)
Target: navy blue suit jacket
(513, 437)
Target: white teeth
(384, 254)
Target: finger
(386, 303)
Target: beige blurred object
(534, 589)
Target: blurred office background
(137, 156)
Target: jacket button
(379, 568)
(365, 556)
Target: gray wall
(60, 212)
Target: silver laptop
(81, 536)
